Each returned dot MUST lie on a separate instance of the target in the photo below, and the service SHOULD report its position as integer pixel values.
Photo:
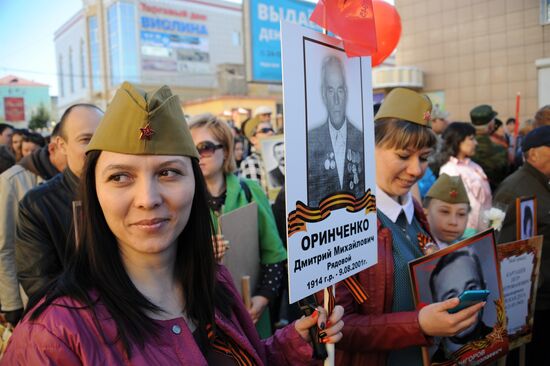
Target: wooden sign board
(240, 228)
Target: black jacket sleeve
(35, 255)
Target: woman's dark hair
(452, 137)
(97, 266)
(527, 217)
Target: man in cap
(45, 231)
(263, 113)
(542, 117)
(532, 178)
(438, 123)
(447, 206)
(15, 182)
(252, 167)
(334, 149)
(493, 158)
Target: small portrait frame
(526, 216)
(273, 150)
(471, 264)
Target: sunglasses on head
(265, 130)
(207, 148)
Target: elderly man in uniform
(334, 149)
(492, 157)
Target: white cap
(262, 110)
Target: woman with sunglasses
(227, 192)
(143, 287)
(387, 329)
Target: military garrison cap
(449, 189)
(406, 104)
(250, 126)
(141, 123)
(482, 114)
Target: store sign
(173, 40)
(14, 109)
(262, 25)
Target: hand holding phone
(469, 298)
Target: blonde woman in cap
(387, 329)
(143, 287)
(227, 192)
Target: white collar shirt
(338, 139)
(391, 208)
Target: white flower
(494, 217)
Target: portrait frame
(333, 236)
(490, 340)
(270, 163)
(523, 204)
(510, 256)
(323, 167)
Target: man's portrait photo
(273, 155)
(455, 273)
(527, 219)
(277, 174)
(446, 274)
(335, 153)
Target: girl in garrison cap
(387, 329)
(143, 287)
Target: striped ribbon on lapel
(356, 289)
(220, 342)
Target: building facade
(479, 52)
(192, 45)
(20, 98)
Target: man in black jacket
(533, 178)
(45, 232)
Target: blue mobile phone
(469, 298)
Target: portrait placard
(273, 155)
(471, 264)
(526, 214)
(243, 256)
(519, 271)
(329, 142)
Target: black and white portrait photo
(335, 153)
(277, 174)
(471, 265)
(328, 159)
(273, 154)
(527, 219)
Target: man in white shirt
(335, 149)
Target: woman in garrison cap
(387, 329)
(143, 287)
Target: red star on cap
(453, 193)
(427, 116)
(146, 133)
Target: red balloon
(388, 30)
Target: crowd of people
(110, 246)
